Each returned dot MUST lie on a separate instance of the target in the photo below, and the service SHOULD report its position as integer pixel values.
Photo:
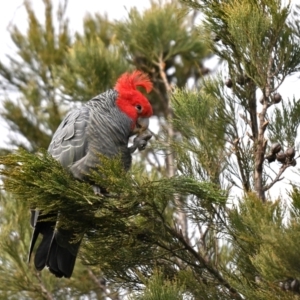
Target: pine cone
(290, 152)
(276, 98)
(281, 157)
(275, 148)
(229, 83)
(270, 157)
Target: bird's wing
(69, 143)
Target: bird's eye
(138, 108)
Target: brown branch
(43, 288)
(102, 287)
(250, 135)
(277, 178)
(260, 145)
(170, 157)
(269, 88)
(162, 73)
(158, 167)
(264, 125)
(247, 121)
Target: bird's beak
(141, 125)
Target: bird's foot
(140, 142)
(98, 191)
(103, 193)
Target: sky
(13, 13)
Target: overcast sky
(13, 12)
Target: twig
(205, 264)
(277, 178)
(170, 158)
(43, 288)
(247, 121)
(102, 286)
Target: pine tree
(259, 41)
(173, 232)
(60, 72)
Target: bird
(102, 125)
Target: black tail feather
(56, 250)
(45, 228)
(52, 259)
(41, 254)
(60, 260)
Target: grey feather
(97, 127)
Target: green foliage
(248, 221)
(202, 119)
(259, 43)
(264, 251)
(159, 34)
(50, 71)
(157, 288)
(96, 60)
(256, 30)
(36, 109)
(287, 113)
(257, 37)
(132, 236)
(139, 239)
(19, 279)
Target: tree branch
(277, 178)
(205, 264)
(170, 158)
(43, 288)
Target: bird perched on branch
(103, 125)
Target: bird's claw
(142, 145)
(140, 142)
(97, 190)
(103, 193)
(100, 191)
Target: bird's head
(132, 102)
